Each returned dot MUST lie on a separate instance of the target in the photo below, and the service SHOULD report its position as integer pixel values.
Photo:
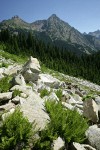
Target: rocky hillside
(52, 30)
(35, 85)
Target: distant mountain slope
(96, 38)
(54, 30)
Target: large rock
(97, 100)
(16, 100)
(31, 70)
(90, 110)
(33, 108)
(93, 136)
(7, 107)
(30, 76)
(12, 69)
(49, 80)
(5, 96)
(58, 144)
(33, 65)
(18, 80)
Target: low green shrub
(5, 84)
(44, 92)
(68, 124)
(59, 94)
(15, 131)
(89, 96)
(5, 65)
(16, 93)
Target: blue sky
(84, 15)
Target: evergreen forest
(53, 57)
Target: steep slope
(74, 96)
(96, 38)
(60, 30)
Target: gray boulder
(12, 69)
(16, 100)
(58, 144)
(18, 80)
(93, 136)
(90, 110)
(7, 107)
(33, 65)
(49, 80)
(5, 96)
(33, 108)
(31, 70)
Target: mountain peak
(52, 17)
(16, 17)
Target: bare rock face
(93, 136)
(31, 70)
(90, 110)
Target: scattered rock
(7, 107)
(79, 93)
(93, 136)
(77, 146)
(49, 80)
(8, 113)
(35, 105)
(68, 106)
(58, 144)
(33, 65)
(24, 89)
(52, 96)
(12, 69)
(90, 110)
(16, 100)
(31, 70)
(5, 96)
(18, 80)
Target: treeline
(60, 59)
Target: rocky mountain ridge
(54, 28)
(77, 94)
